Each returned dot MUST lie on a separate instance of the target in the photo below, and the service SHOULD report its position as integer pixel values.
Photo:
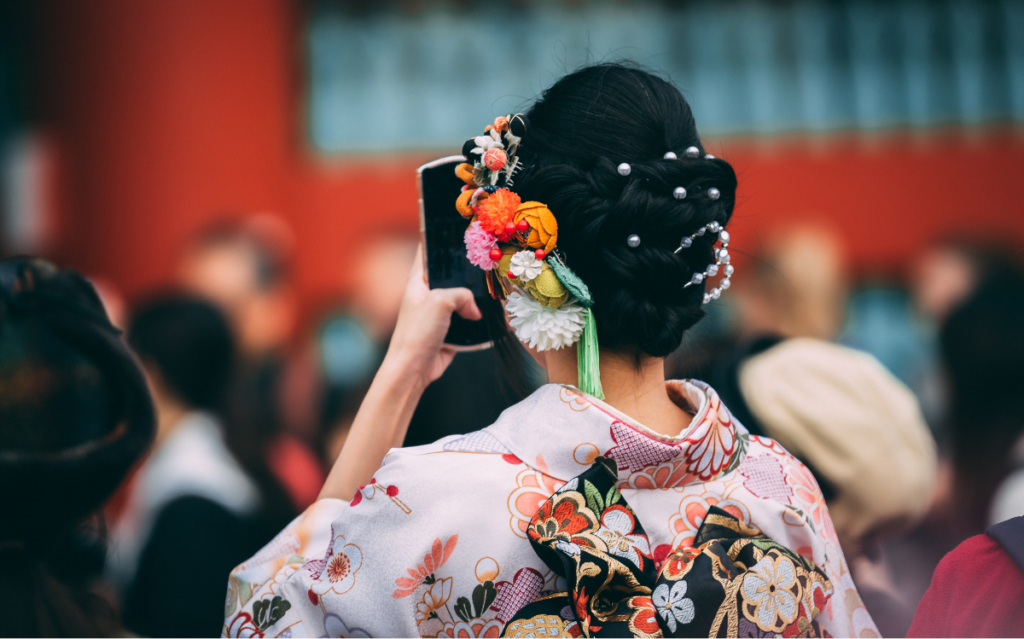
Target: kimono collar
(560, 431)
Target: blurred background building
(127, 126)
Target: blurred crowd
(902, 398)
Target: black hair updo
(580, 130)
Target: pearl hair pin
(633, 240)
(692, 152)
(679, 193)
(624, 169)
(721, 263)
(670, 156)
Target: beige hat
(856, 425)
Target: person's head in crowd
(242, 267)
(796, 285)
(378, 281)
(75, 416)
(856, 426)
(982, 344)
(945, 274)
(188, 352)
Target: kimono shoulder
(418, 551)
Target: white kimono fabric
(437, 544)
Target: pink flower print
(438, 555)
(807, 493)
(693, 508)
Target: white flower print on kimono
(436, 545)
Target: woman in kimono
(610, 502)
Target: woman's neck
(638, 392)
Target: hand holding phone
(446, 263)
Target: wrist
(400, 371)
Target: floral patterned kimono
(564, 517)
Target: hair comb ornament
(721, 262)
(515, 243)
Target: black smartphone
(445, 251)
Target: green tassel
(588, 360)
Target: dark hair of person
(579, 131)
(76, 416)
(189, 341)
(983, 352)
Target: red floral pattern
(712, 442)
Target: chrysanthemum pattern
(711, 444)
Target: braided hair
(580, 130)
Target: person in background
(977, 588)
(982, 345)
(783, 296)
(779, 298)
(241, 266)
(860, 432)
(193, 494)
(75, 416)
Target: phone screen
(447, 265)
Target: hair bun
(640, 302)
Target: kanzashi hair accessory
(515, 243)
(721, 262)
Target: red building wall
(170, 112)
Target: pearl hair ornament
(633, 240)
(721, 262)
(679, 193)
(692, 152)
(625, 169)
(670, 156)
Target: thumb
(458, 300)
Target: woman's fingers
(458, 300)
(418, 274)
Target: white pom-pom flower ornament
(542, 327)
